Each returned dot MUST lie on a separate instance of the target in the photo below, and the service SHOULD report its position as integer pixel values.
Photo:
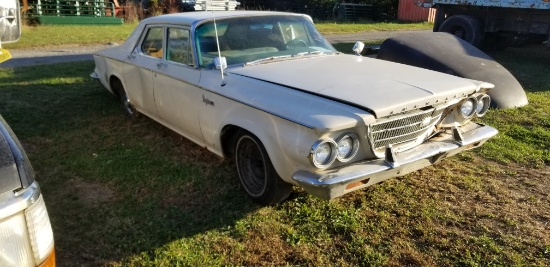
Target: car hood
(384, 88)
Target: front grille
(403, 129)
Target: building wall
(409, 11)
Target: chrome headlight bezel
(331, 158)
(354, 148)
(472, 112)
(483, 103)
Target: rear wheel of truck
(465, 27)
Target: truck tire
(465, 27)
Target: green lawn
(133, 193)
(67, 35)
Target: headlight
(323, 153)
(468, 107)
(347, 147)
(483, 102)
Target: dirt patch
(91, 193)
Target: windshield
(252, 39)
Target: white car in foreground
(287, 107)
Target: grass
(349, 27)
(133, 193)
(81, 35)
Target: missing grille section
(403, 129)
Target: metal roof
(190, 18)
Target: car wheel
(465, 27)
(127, 106)
(256, 173)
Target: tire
(127, 107)
(465, 27)
(256, 173)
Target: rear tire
(127, 106)
(256, 173)
(465, 27)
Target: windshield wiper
(258, 61)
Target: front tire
(256, 173)
(465, 27)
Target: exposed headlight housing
(347, 146)
(26, 237)
(40, 230)
(483, 102)
(468, 107)
(323, 153)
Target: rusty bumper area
(333, 183)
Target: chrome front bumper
(333, 183)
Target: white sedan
(267, 90)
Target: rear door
(144, 61)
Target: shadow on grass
(114, 187)
(22, 62)
(534, 62)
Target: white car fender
(287, 152)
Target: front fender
(287, 143)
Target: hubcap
(251, 166)
(459, 32)
(127, 105)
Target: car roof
(190, 18)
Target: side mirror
(10, 21)
(358, 48)
(220, 63)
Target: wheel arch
(113, 87)
(268, 130)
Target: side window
(178, 46)
(152, 43)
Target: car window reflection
(178, 48)
(243, 40)
(152, 43)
